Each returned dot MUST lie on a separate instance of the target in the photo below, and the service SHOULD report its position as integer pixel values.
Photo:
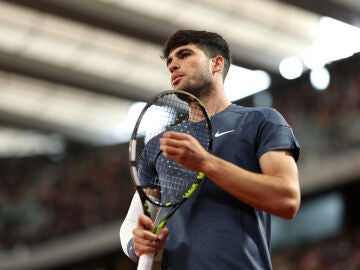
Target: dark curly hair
(210, 43)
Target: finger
(145, 222)
(175, 135)
(144, 229)
(162, 236)
(170, 134)
(157, 245)
(169, 146)
(144, 235)
(147, 242)
(144, 241)
(148, 247)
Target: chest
(235, 139)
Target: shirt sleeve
(275, 133)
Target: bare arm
(276, 190)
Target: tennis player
(251, 173)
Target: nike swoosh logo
(218, 134)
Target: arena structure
(71, 72)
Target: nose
(173, 66)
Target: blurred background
(74, 75)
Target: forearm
(275, 189)
(276, 193)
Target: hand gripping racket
(162, 184)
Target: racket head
(170, 110)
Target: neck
(216, 102)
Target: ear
(218, 64)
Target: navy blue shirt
(213, 229)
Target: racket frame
(146, 260)
(132, 151)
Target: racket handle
(145, 262)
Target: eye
(185, 55)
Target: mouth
(175, 79)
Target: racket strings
(176, 113)
(174, 180)
(170, 182)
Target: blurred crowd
(328, 121)
(338, 253)
(42, 198)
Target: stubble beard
(200, 85)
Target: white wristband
(130, 222)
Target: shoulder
(242, 109)
(259, 113)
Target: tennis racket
(162, 184)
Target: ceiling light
(320, 78)
(20, 143)
(77, 113)
(241, 82)
(247, 24)
(291, 68)
(81, 47)
(336, 40)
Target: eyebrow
(178, 53)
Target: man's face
(190, 70)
